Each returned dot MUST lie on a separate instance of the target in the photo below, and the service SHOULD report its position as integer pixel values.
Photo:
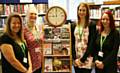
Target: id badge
(25, 60)
(100, 53)
(37, 49)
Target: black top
(110, 49)
(91, 41)
(6, 66)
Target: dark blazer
(73, 25)
(110, 50)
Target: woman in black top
(15, 56)
(107, 45)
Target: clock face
(56, 16)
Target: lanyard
(80, 29)
(23, 49)
(102, 40)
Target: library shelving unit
(57, 49)
(97, 9)
(57, 42)
(7, 8)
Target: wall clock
(56, 16)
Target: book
(65, 48)
(61, 64)
(48, 33)
(65, 33)
(1, 9)
(56, 33)
(47, 49)
(48, 65)
(56, 48)
(65, 65)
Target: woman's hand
(99, 64)
(78, 63)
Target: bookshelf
(97, 9)
(57, 49)
(6, 9)
(114, 2)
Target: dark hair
(111, 19)
(8, 30)
(87, 13)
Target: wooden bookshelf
(111, 2)
(57, 49)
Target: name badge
(100, 54)
(25, 60)
(37, 50)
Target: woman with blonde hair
(34, 36)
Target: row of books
(59, 49)
(57, 33)
(117, 13)
(40, 20)
(95, 13)
(57, 55)
(6, 9)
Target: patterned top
(81, 41)
(35, 47)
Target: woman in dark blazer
(107, 45)
(83, 36)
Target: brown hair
(87, 13)
(8, 30)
